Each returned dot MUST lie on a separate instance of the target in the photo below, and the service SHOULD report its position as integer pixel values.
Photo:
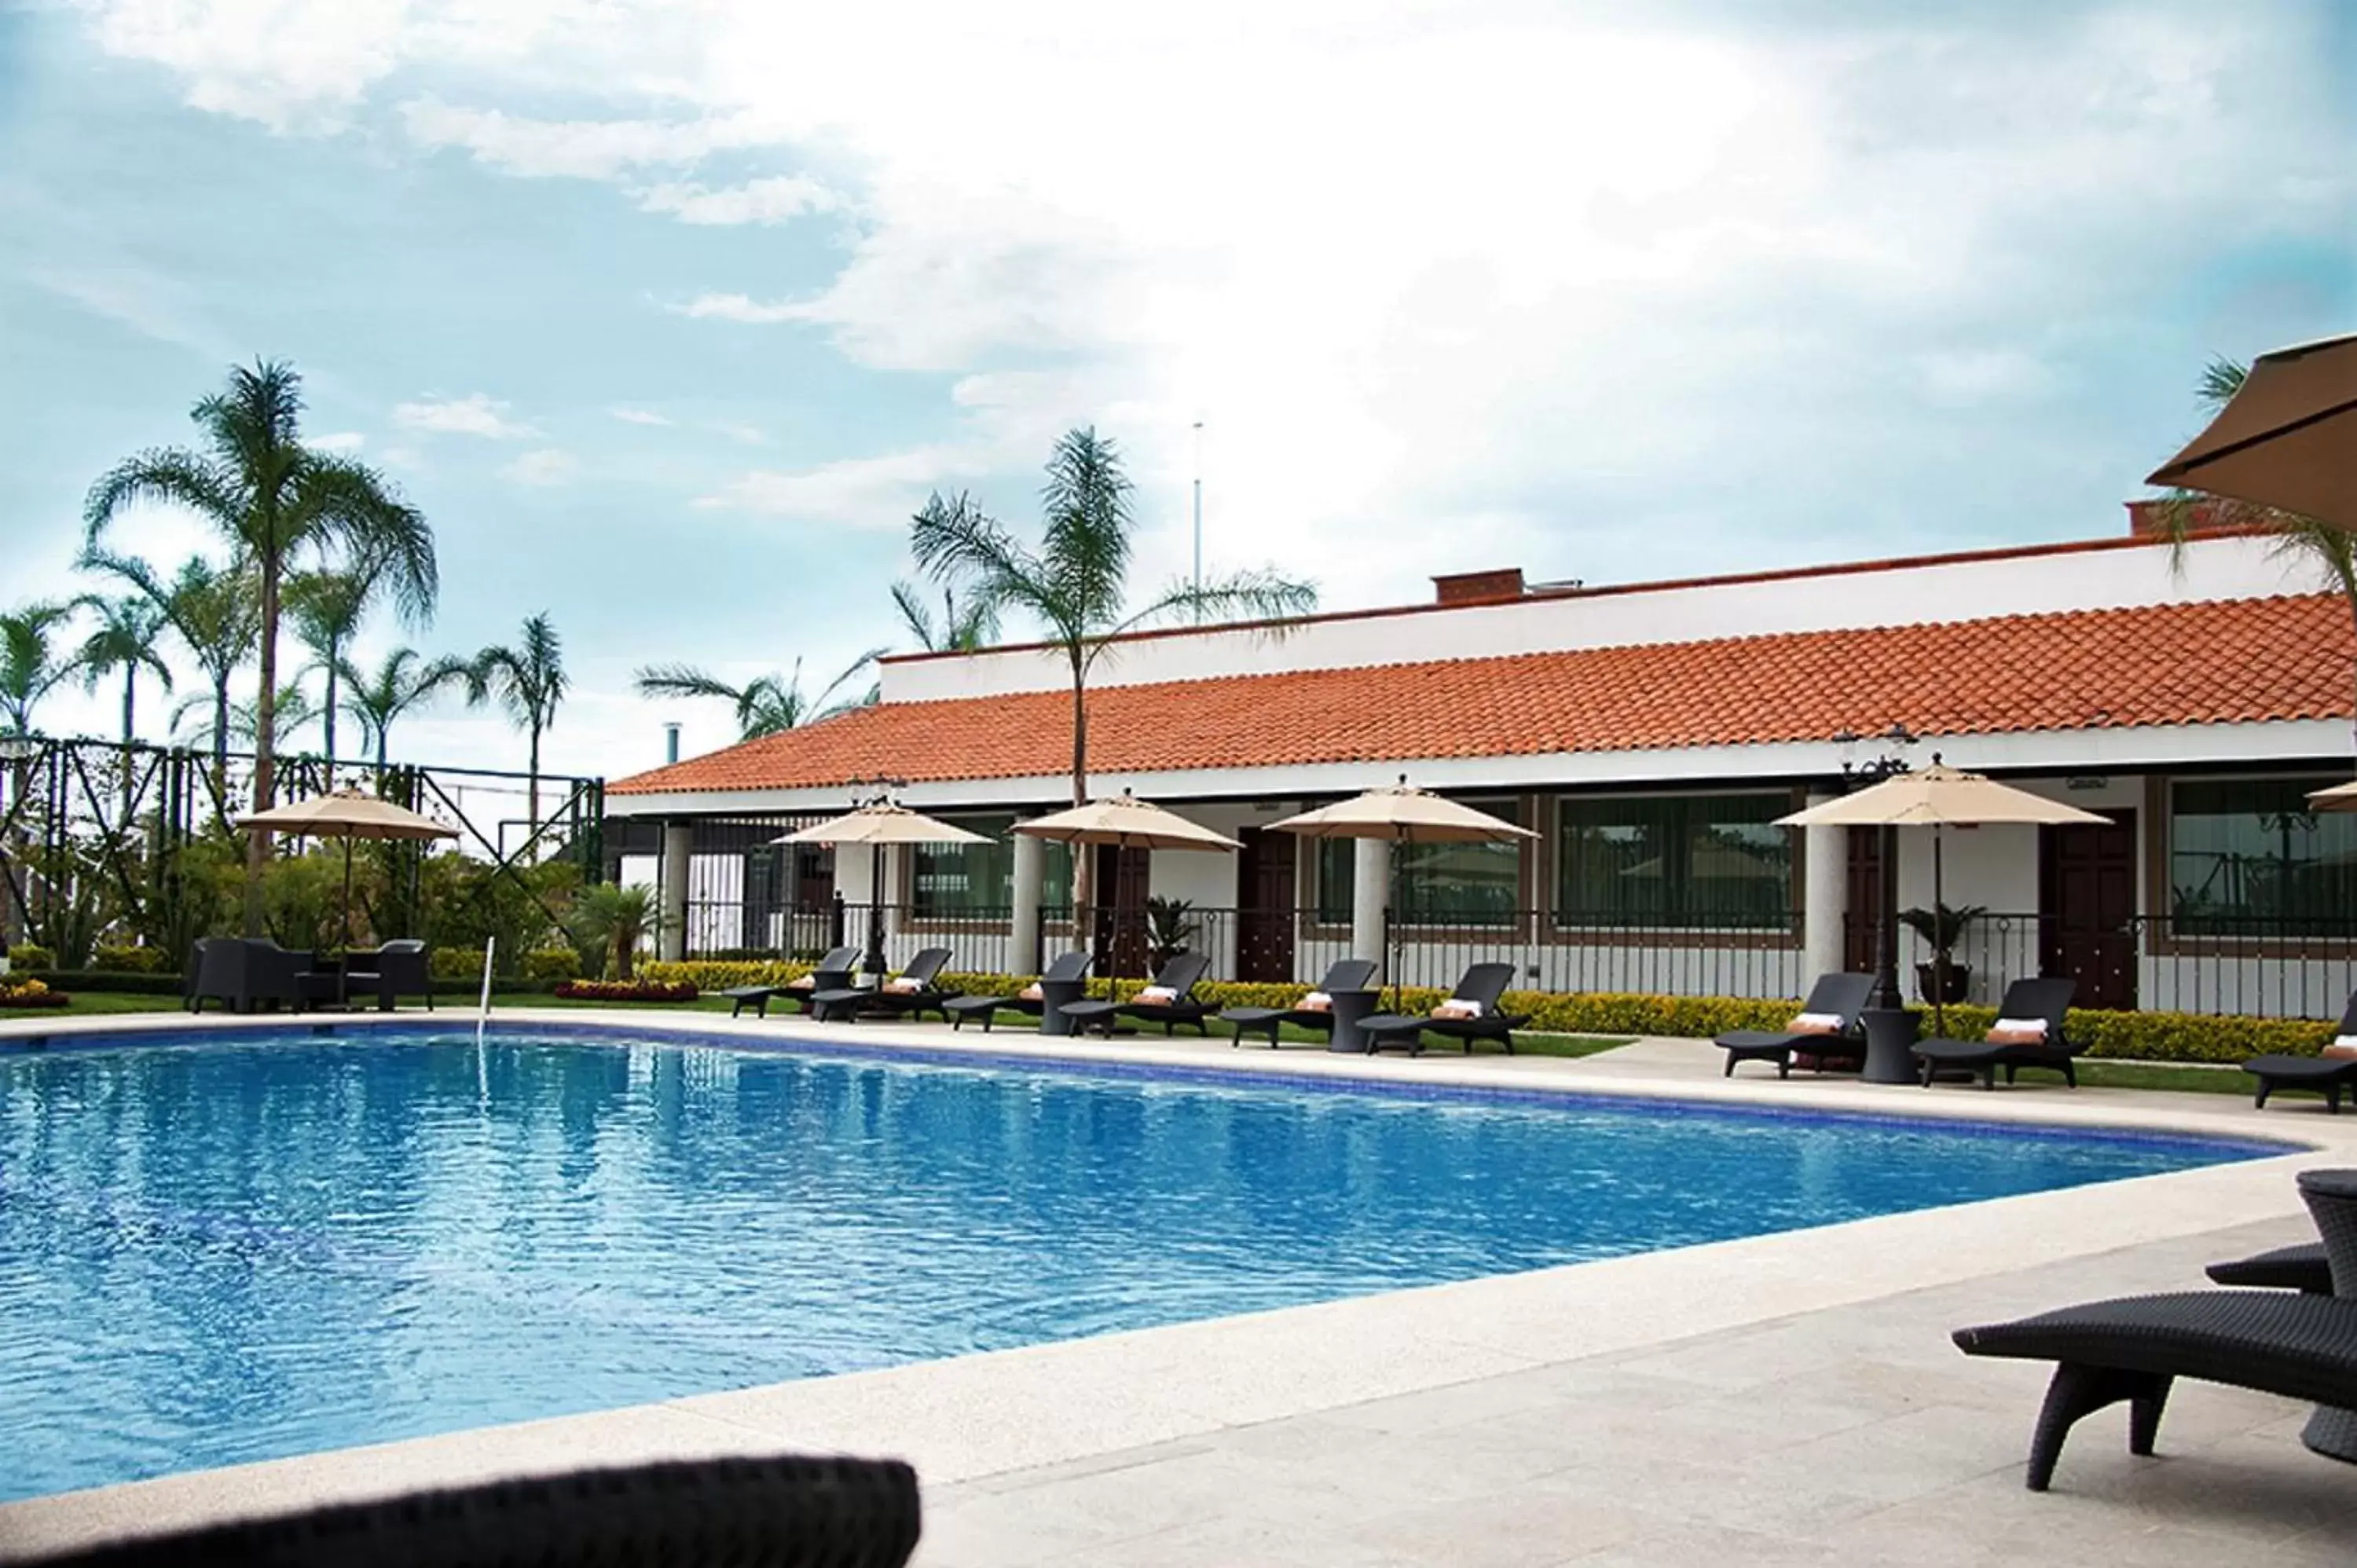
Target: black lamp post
(1886, 1017)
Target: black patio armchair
(396, 968)
(245, 972)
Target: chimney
(1477, 587)
(670, 743)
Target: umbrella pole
(876, 910)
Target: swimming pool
(213, 1252)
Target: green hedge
(2137, 1037)
(134, 960)
(550, 964)
(121, 982)
(31, 957)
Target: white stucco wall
(1898, 596)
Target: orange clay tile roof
(2228, 661)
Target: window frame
(1786, 931)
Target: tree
(529, 681)
(31, 663)
(614, 919)
(327, 608)
(958, 631)
(1076, 584)
(404, 681)
(128, 629)
(279, 505)
(768, 704)
(241, 721)
(214, 610)
(2329, 552)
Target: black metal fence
(2250, 968)
(106, 844)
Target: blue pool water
(218, 1252)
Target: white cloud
(638, 416)
(756, 202)
(542, 466)
(860, 492)
(478, 414)
(577, 149)
(741, 307)
(751, 435)
(337, 441)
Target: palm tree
(244, 720)
(404, 681)
(214, 611)
(527, 680)
(327, 608)
(2330, 553)
(768, 704)
(278, 504)
(128, 629)
(615, 919)
(31, 666)
(958, 631)
(1076, 584)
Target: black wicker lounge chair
(2329, 1076)
(921, 996)
(2133, 1350)
(755, 1513)
(1070, 969)
(1342, 974)
(1179, 977)
(1483, 986)
(2044, 1000)
(2301, 1267)
(835, 969)
(1839, 997)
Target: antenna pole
(1198, 523)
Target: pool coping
(1074, 1402)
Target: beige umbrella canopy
(875, 824)
(1403, 814)
(1125, 822)
(346, 814)
(1937, 797)
(2288, 440)
(2340, 798)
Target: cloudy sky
(669, 312)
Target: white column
(1030, 875)
(1825, 897)
(1371, 883)
(678, 846)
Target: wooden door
(1865, 900)
(1121, 892)
(2086, 907)
(1266, 892)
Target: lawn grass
(2162, 1074)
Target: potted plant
(1169, 927)
(1942, 980)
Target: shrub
(546, 963)
(455, 964)
(132, 960)
(625, 991)
(30, 955)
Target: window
(1438, 884)
(977, 881)
(1675, 862)
(2248, 857)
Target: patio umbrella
(346, 814)
(875, 824)
(1938, 798)
(1125, 823)
(1401, 813)
(2340, 798)
(2288, 440)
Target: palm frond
(682, 681)
(916, 617)
(350, 510)
(164, 475)
(2222, 378)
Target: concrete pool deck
(1787, 1398)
